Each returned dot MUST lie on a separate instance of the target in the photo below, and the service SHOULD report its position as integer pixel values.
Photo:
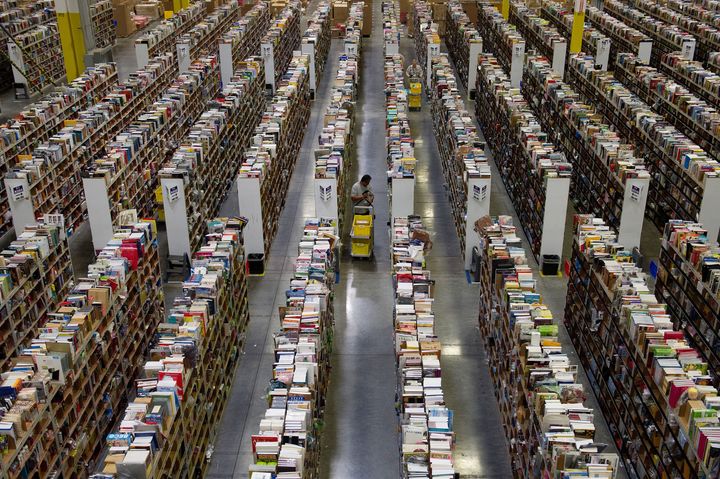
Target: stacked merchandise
(427, 438)
(400, 144)
(103, 28)
(426, 34)
(692, 115)
(461, 150)
(538, 32)
(284, 38)
(702, 82)
(524, 154)
(562, 19)
(666, 37)
(53, 170)
(678, 166)
(244, 35)
(276, 144)
(708, 36)
(37, 57)
(42, 119)
(391, 27)
(204, 36)
(64, 392)
(500, 36)
(17, 18)
(624, 38)
(35, 275)
(130, 164)
(317, 38)
(696, 11)
(182, 388)
(209, 155)
(654, 386)
(689, 281)
(462, 40)
(336, 143)
(602, 159)
(287, 443)
(713, 62)
(161, 38)
(549, 431)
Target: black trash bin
(550, 264)
(475, 264)
(256, 263)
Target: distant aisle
(361, 436)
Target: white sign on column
(351, 48)
(309, 50)
(391, 48)
(688, 49)
(176, 220)
(558, 59)
(142, 54)
(644, 52)
(602, 54)
(326, 200)
(21, 205)
(98, 206)
(709, 214)
(478, 205)
(557, 192)
(633, 212)
(403, 197)
(250, 205)
(516, 65)
(226, 62)
(266, 50)
(433, 50)
(475, 50)
(183, 57)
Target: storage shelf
(284, 36)
(460, 34)
(161, 39)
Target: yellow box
(360, 247)
(362, 225)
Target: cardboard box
(367, 19)
(471, 10)
(122, 14)
(340, 11)
(152, 10)
(439, 11)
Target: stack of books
(284, 35)
(461, 33)
(626, 336)
(317, 36)
(426, 423)
(245, 34)
(624, 38)
(398, 137)
(548, 429)
(161, 38)
(203, 36)
(180, 392)
(287, 443)
(500, 36)
(68, 384)
(426, 34)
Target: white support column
(478, 206)
(558, 59)
(392, 48)
(475, 50)
(326, 198)
(266, 50)
(602, 54)
(644, 52)
(351, 48)
(688, 49)
(183, 57)
(98, 206)
(251, 207)
(309, 50)
(176, 220)
(557, 192)
(226, 62)
(516, 66)
(709, 214)
(142, 55)
(21, 205)
(433, 50)
(633, 212)
(402, 202)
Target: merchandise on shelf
(281, 40)
(549, 431)
(464, 43)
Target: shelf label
(173, 193)
(635, 192)
(325, 192)
(19, 192)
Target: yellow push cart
(414, 98)
(361, 235)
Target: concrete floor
(361, 436)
